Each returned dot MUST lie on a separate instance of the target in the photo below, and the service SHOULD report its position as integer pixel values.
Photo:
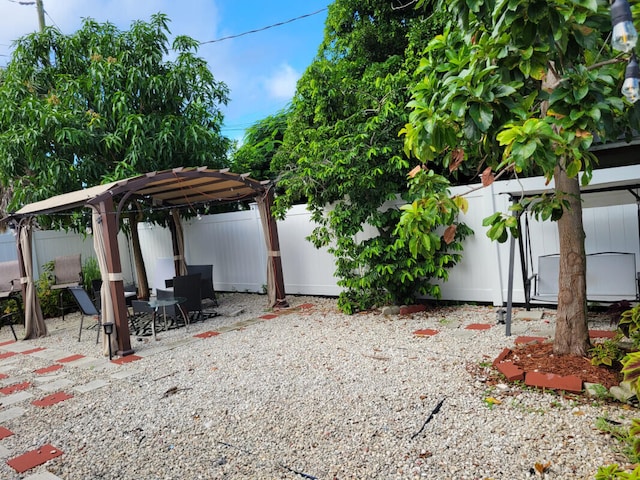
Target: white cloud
(282, 84)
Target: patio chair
(189, 287)
(9, 278)
(141, 319)
(10, 287)
(87, 307)
(9, 319)
(206, 288)
(170, 311)
(67, 273)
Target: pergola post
(273, 253)
(114, 268)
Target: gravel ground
(309, 394)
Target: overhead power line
(229, 37)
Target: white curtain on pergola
(34, 325)
(107, 314)
(271, 270)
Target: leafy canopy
(341, 150)
(103, 104)
(519, 88)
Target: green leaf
(481, 115)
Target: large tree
(341, 149)
(520, 88)
(103, 104)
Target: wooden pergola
(176, 188)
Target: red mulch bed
(539, 357)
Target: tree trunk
(141, 271)
(572, 332)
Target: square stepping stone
(125, 373)
(42, 476)
(15, 398)
(32, 459)
(532, 315)
(49, 378)
(52, 399)
(11, 413)
(49, 354)
(93, 385)
(21, 347)
(55, 386)
(4, 452)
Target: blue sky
(260, 69)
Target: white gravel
(309, 394)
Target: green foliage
(103, 104)
(481, 101)
(261, 142)
(614, 472)
(629, 440)
(341, 149)
(90, 272)
(629, 323)
(631, 370)
(49, 299)
(606, 353)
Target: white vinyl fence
(234, 244)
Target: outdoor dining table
(157, 303)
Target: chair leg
(99, 328)
(80, 331)
(13, 331)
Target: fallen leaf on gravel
(542, 468)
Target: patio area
(304, 392)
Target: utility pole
(40, 8)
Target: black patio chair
(9, 319)
(206, 287)
(189, 287)
(87, 307)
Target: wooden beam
(116, 284)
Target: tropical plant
(100, 105)
(607, 352)
(342, 156)
(90, 272)
(515, 88)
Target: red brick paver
(425, 332)
(44, 370)
(478, 326)
(127, 359)
(71, 358)
(52, 399)
(5, 432)
(15, 388)
(33, 350)
(33, 458)
(208, 334)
